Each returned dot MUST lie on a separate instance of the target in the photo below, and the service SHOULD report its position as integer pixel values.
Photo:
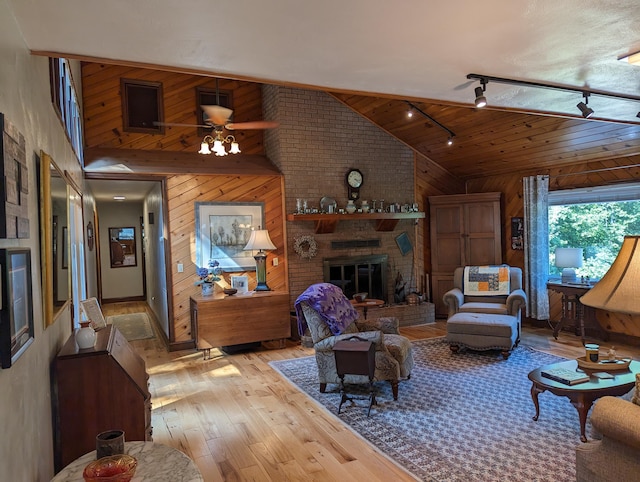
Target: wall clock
(354, 180)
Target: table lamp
(260, 240)
(618, 288)
(568, 259)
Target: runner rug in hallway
(461, 417)
(134, 326)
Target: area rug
(461, 417)
(134, 326)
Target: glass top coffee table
(582, 395)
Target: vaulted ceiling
(373, 56)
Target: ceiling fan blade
(216, 114)
(252, 125)
(175, 124)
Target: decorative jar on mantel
(85, 336)
(351, 207)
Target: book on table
(565, 375)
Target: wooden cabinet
(234, 320)
(465, 230)
(98, 389)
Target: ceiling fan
(217, 117)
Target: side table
(155, 462)
(366, 304)
(355, 356)
(574, 312)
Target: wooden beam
(134, 161)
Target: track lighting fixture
(481, 100)
(410, 113)
(427, 116)
(585, 110)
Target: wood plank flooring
(240, 421)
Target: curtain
(536, 245)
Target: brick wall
(317, 141)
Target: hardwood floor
(240, 421)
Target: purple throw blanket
(330, 303)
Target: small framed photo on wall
(517, 233)
(241, 283)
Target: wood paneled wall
(183, 191)
(567, 177)
(102, 103)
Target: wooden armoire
(466, 230)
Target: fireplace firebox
(356, 274)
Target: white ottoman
(483, 331)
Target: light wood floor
(240, 421)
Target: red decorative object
(115, 468)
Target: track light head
(585, 110)
(450, 141)
(481, 100)
(410, 113)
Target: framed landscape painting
(222, 232)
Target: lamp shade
(618, 288)
(259, 240)
(568, 257)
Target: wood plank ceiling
(493, 142)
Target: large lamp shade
(619, 288)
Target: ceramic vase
(351, 207)
(364, 206)
(85, 336)
(207, 289)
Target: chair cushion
(398, 346)
(477, 307)
(486, 324)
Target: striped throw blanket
(486, 280)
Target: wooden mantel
(326, 223)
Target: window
(65, 101)
(142, 108)
(596, 220)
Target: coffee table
(582, 395)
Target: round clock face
(354, 178)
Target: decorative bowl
(360, 297)
(114, 468)
(230, 291)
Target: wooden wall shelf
(326, 223)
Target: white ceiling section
(408, 48)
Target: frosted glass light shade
(618, 288)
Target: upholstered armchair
(510, 304)
(616, 456)
(393, 356)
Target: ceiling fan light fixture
(204, 147)
(235, 148)
(481, 100)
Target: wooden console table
(573, 312)
(222, 320)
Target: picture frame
(517, 233)
(404, 243)
(223, 230)
(16, 304)
(241, 283)
(91, 309)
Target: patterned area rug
(134, 326)
(463, 417)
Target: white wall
(154, 245)
(121, 282)
(26, 445)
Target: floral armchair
(330, 317)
